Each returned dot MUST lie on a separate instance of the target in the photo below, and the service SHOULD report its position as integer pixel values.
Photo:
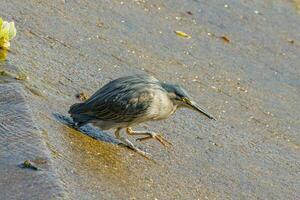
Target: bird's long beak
(193, 105)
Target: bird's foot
(149, 135)
(156, 136)
(131, 146)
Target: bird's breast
(161, 107)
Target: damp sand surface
(238, 59)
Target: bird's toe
(162, 140)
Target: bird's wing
(121, 101)
(123, 106)
(134, 82)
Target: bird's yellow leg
(149, 135)
(129, 144)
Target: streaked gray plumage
(131, 100)
(123, 100)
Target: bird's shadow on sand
(94, 133)
(86, 129)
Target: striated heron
(131, 100)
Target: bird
(130, 100)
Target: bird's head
(180, 97)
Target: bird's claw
(143, 153)
(128, 144)
(158, 137)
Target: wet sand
(241, 63)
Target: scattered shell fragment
(28, 164)
(82, 96)
(291, 41)
(242, 89)
(225, 39)
(99, 24)
(22, 77)
(189, 12)
(182, 34)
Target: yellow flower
(7, 32)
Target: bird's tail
(76, 108)
(77, 114)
